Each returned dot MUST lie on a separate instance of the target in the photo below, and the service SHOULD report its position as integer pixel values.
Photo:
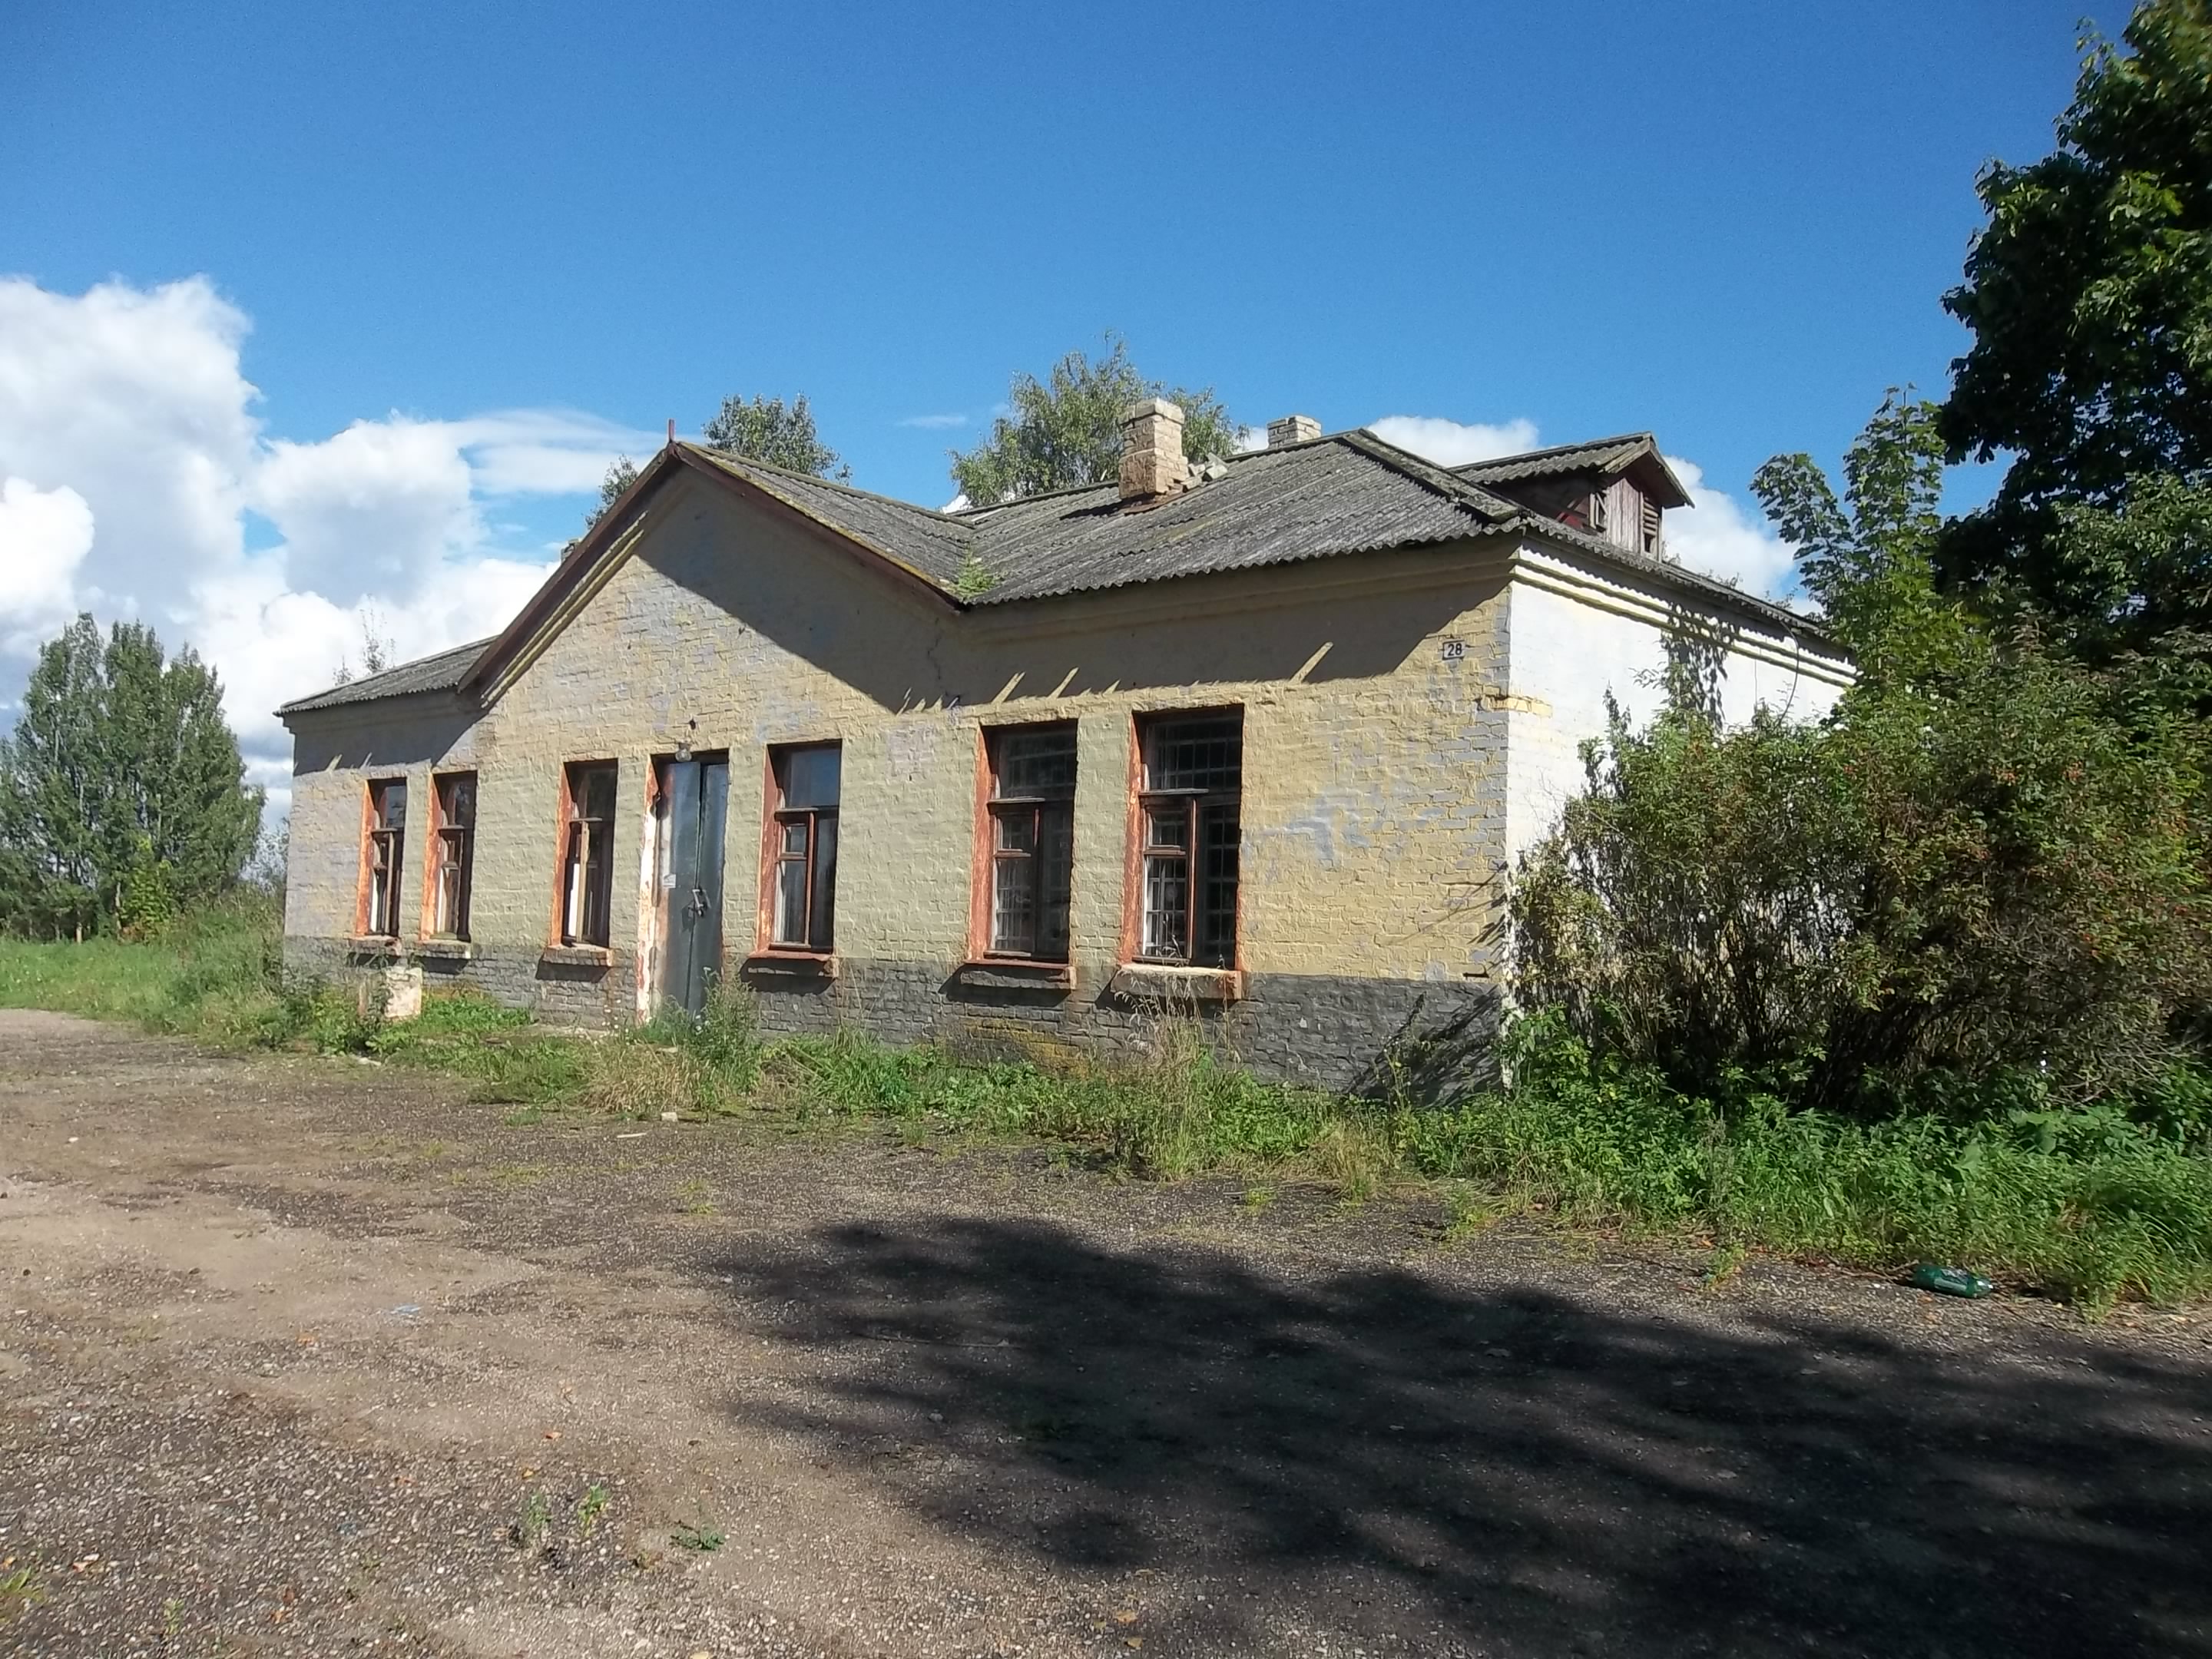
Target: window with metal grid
(387, 854)
(588, 855)
(1032, 830)
(803, 846)
(1190, 817)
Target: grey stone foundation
(1425, 1039)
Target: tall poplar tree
(120, 772)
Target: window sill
(792, 964)
(1013, 973)
(450, 949)
(380, 946)
(1162, 982)
(577, 956)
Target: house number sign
(1452, 650)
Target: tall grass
(213, 973)
(1175, 1110)
(2093, 1204)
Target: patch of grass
(20, 1591)
(1176, 1111)
(532, 1521)
(697, 1535)
(1469, 1213)
(695, 1197)
(1727, 1263)
(2112, 1208)
(590, 1508)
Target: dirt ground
(317, 1357)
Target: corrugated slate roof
(1307, 501)
(1598, 455)
(442, 672)
(1350, 492)
(931, 544)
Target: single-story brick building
(1265, 739)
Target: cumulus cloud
(1455, 443)
(1717, 535)
(44, 535)
(131, 453)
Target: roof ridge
(1230, 459)
(726, 457)
(1550, 450)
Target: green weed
(532, 1522)
(590, 1508)
(20, 1591)
(697, 1535)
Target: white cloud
(1716, 536)
(1454, 443)
(131, 451)
(43, 536)
(935, 422)
(371, 513)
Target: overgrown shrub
(2002, 867)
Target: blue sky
(1729, 222)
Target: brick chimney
(1292, 429)
(1151, 450)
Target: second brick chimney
(1292, 429)
(1151, 450)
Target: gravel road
(317, 1357)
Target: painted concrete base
(1370, 1035)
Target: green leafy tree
(1869, 559)
(1065, 429)
(620, 475)
(2136, 577)
(2089, 295)
(767, 429)
(121, 773)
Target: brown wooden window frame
(1198, 808)
(452, 855)
(383, 853)
(1045, 815)
(584, 872)
(814, 822)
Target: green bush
(1999, 869)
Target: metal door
(695, 797)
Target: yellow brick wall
(1375, 797)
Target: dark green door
(696, 793)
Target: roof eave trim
(1536, 527)
(577, 560)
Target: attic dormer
(1618, 489)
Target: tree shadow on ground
(1380, 1452)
